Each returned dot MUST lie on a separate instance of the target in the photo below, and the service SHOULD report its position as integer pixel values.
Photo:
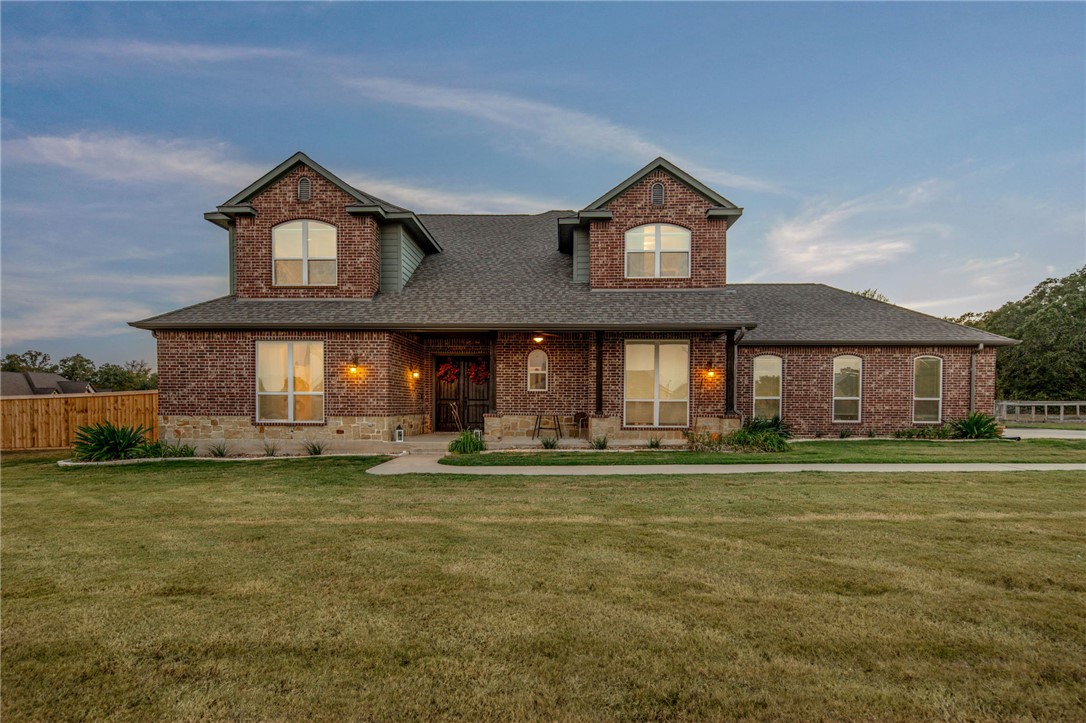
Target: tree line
(131, 376)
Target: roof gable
(254, 189)
(677, 173)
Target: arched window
(305, 189)
(657, 250)
(847, 386)
(657, 194)
(304, 254)
(927, 389)
(767, 386)
(537, 371)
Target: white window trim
(916, 399)
(304, 258)
(546, 374)
(657, 252)
(290, 383)
(657, 343)
(859, 399)
(754, 386)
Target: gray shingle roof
(820, 314)
(505, 272)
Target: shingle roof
(820, 314)
(504, 272)
(497, 272)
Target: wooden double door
(469, 399)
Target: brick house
(349, 317)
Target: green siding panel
(391, 275)
(410, 257)
(580, 256)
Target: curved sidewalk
(427, 464)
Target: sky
(935, 151)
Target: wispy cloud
(835, 237)
(143, 159)
(68, 53)
(553, 125)
(134, 158)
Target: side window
(767, 386)
(537, 371)
(847, 385)
(290, 381)
(927, 389)
(304, 254)
(658, 250)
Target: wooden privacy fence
(50, 421)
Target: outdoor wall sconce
(711, 373)
(415, 374)
(352, 368)
(538, 338)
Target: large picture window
(657, 384)
(927, 389)
(847, 385)
(290, 381)
(658, 250)
(767, 386)
(537, 371)
(304, 254)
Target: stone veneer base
(190, 429)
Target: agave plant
(104, 441)
(977, 425)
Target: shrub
(599, 442)
(550, 442)
(467, 443)
(270, 448)
(104, 441)
(703, 441)
(314, 447)
(977, 425)
(943, 431)
(761, 440)
(844, 433)
(871, 434)
(219, 449)
(777, 425)
(655, 442)
(162, 449)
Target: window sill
(282, 423)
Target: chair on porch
(580, 421)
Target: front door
(462, 388)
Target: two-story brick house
(349, 317)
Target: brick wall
(887, 384)
(214, 372)
(682, 207)
(571, 375)
(357, 244)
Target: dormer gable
(300, 231)
(659, 228)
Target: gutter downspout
(973, 378)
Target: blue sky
(934, 151)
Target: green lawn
(852, 450)
(307, 590)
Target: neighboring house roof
(17, 384)
(14, 384)
(498, 272)
(820, 314)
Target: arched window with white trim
(847, 388)
(537, 371)
(304, 254)
(658, 250)
(927, 389)
(768, 374)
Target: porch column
(599, 372)
(731, 363)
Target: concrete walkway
(1035, 433)
(428, 464)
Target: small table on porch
(556, 424)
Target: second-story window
(304, 254)
(657, 250)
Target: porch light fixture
(415, 374)
(538, 338)
(710, 373)
(353, 367)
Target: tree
(28, 361)
(873, 294)
(77, 367)
(1050, 363)
(132, 376)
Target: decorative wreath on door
(448, 372)
(479, 371)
